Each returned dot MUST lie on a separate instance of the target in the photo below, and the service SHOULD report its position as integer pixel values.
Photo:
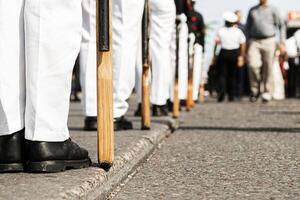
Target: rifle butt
(105, 110)
(201, 93)
(105, 122)
(190, 100)
(146, 116)
(176, 105)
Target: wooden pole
(201, 93)
(105, 84)
(146, 116)
(190, 100)
(202, 84)
(176, 105)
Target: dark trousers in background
(293, 88)
(242, 82)
(227, 67)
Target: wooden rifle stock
(105, 133)
(202, 85)
(176, 105)
(190, 100)
(201, 93)
(146, 118)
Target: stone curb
(100, 184)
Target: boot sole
(11, 167)
(56, 165)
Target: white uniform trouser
(138, 73)
(127, 15)
(162, 23)
(197, 73)
(127, 18)
(182, 61)
(51, 35)
(163, 14)
(88, 59)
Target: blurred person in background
(196, 23)
(263, 23)
(197, 27)
(239, 21)
(242, 80)
(232, 42)
(293, 51)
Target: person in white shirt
(297, 37)
(232, 43)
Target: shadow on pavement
(281, 112)
(242, 129)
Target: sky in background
(212, 11)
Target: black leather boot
(138, 111)
(11, 152)
(122, 123)
(55, 156)
(221, 97)
(158, 111)
(90, 123)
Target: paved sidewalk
(230, 151)
(132, 148)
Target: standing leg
(268, 55)
(139, 72)
(126, 31)
(138, 79)
(12, 67)
(88, 64)
(222, 77)
(255, 64)
(173, 63)
(52, 44)
(197, 70)
(183, 58)
(232, 70)
(163, 15)
(12, 85)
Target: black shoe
(221, 98)
(170, 105)
(122, 123)
(158, 111)
(231, 99)
(11, 152)
(265, 101)
(138, 111)
(154, 110)
(182, 103)
(90, 124)
(55, 156)
(253, 98)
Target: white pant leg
(127, 18)
(12, 75)
(52, 42)
(163, 15)
(183, 61)
(173, 63)
(198, 55)
(139, 72)
(88, 59)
